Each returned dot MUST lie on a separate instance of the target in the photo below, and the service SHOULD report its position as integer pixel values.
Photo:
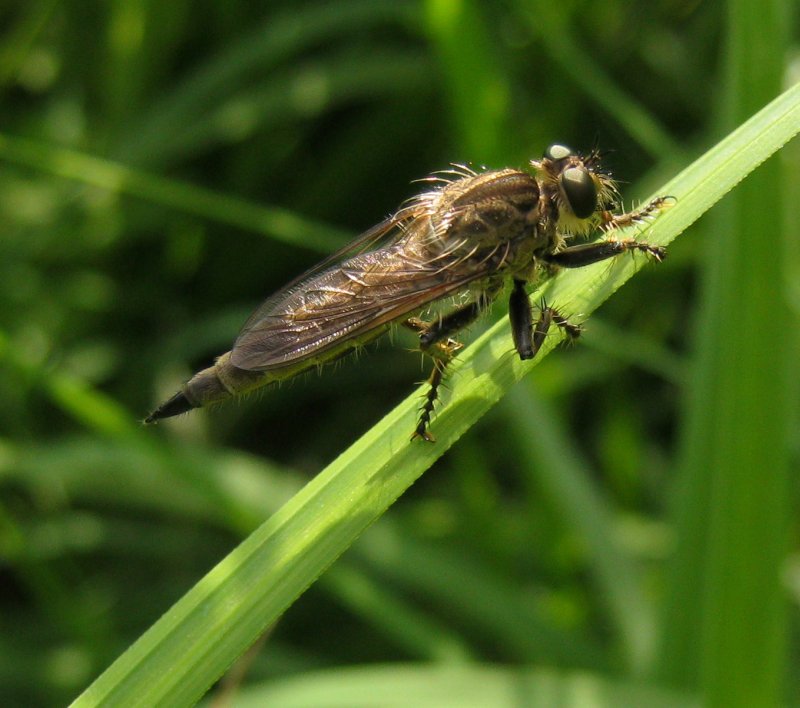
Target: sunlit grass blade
(193, 644)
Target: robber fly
(460, 241)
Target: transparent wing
(386, 231)
(351, 299)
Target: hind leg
(435, 339)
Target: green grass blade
(316, 87)
(725, 622)
(280, 224)
(21, 36)
(470, 686)
(191, 646)
(418, 632)
(478, 86)
(282, 38)
(85, 404)
(480, 596)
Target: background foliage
(167, 165)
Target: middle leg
(528, 338)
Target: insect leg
(519, 312)
(549, 315)
(528, 339)
(617, 221)
(434, 381)
(588, 253)
(436, 341)
(432, 333)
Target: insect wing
(347, 301)
(384, 232)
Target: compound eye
(558, 152)
(580, 190)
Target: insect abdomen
(216, 383)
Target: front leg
(588, 253)
(637, 216)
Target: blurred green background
(165, 166)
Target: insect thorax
(492, 217)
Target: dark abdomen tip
(174, 406)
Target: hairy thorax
(490, 218)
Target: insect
(461, 241)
